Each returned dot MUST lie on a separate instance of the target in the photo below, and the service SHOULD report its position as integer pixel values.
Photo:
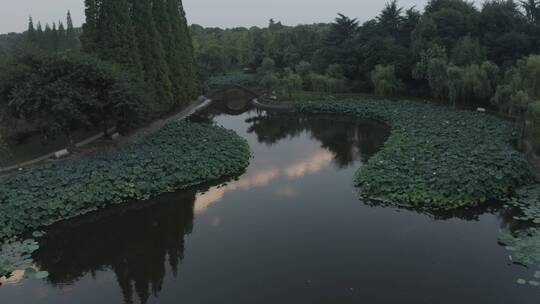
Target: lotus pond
(292, 229)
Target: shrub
(63, 92)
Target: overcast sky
(222, 13)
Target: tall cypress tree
(47, 43)
(54, 38)
(189, 53)
(177, 42)
(31, 32)
(62, 41)
(90, 33)
(72, 42)
(39, 35)
(180, 52)
(109, 33)
(164, 25)
(155, 68)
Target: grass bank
(436, 157)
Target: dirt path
(135, 136)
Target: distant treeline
(453, 51)
(55, 38)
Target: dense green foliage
(454, 51)
(60, 93)
(152, 54)
(436, 156)
(109, 33)
(150, 38)
(143, 67)
(385, 82)
(177, 156)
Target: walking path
(198, 105)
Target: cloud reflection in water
(261, 178)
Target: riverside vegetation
(132, 61)
(444, 158)
(436, 156)
(179, 155)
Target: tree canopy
(453, 51)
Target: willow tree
(385, 81)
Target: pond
(291, 229)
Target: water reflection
(290, 227)
(263, 177)
(139, 244)
(311, 165)
(136, 244)
(231, 101)
(215, 194)
(348, 139)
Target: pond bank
(436, 157)
(293, 210)
(168, 156)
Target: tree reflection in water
(135, 243)
(143, 242)
(348, 139)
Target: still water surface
(289, 230)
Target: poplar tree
(89, 37)
(54, 39)
(62, 39)
(109, 33)
(72, 42)
(47, 41)
(155, 69)
(31, 32)
(149, 36)
(188, 52)
(164, 24)
(181, 46)
(39, 34)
